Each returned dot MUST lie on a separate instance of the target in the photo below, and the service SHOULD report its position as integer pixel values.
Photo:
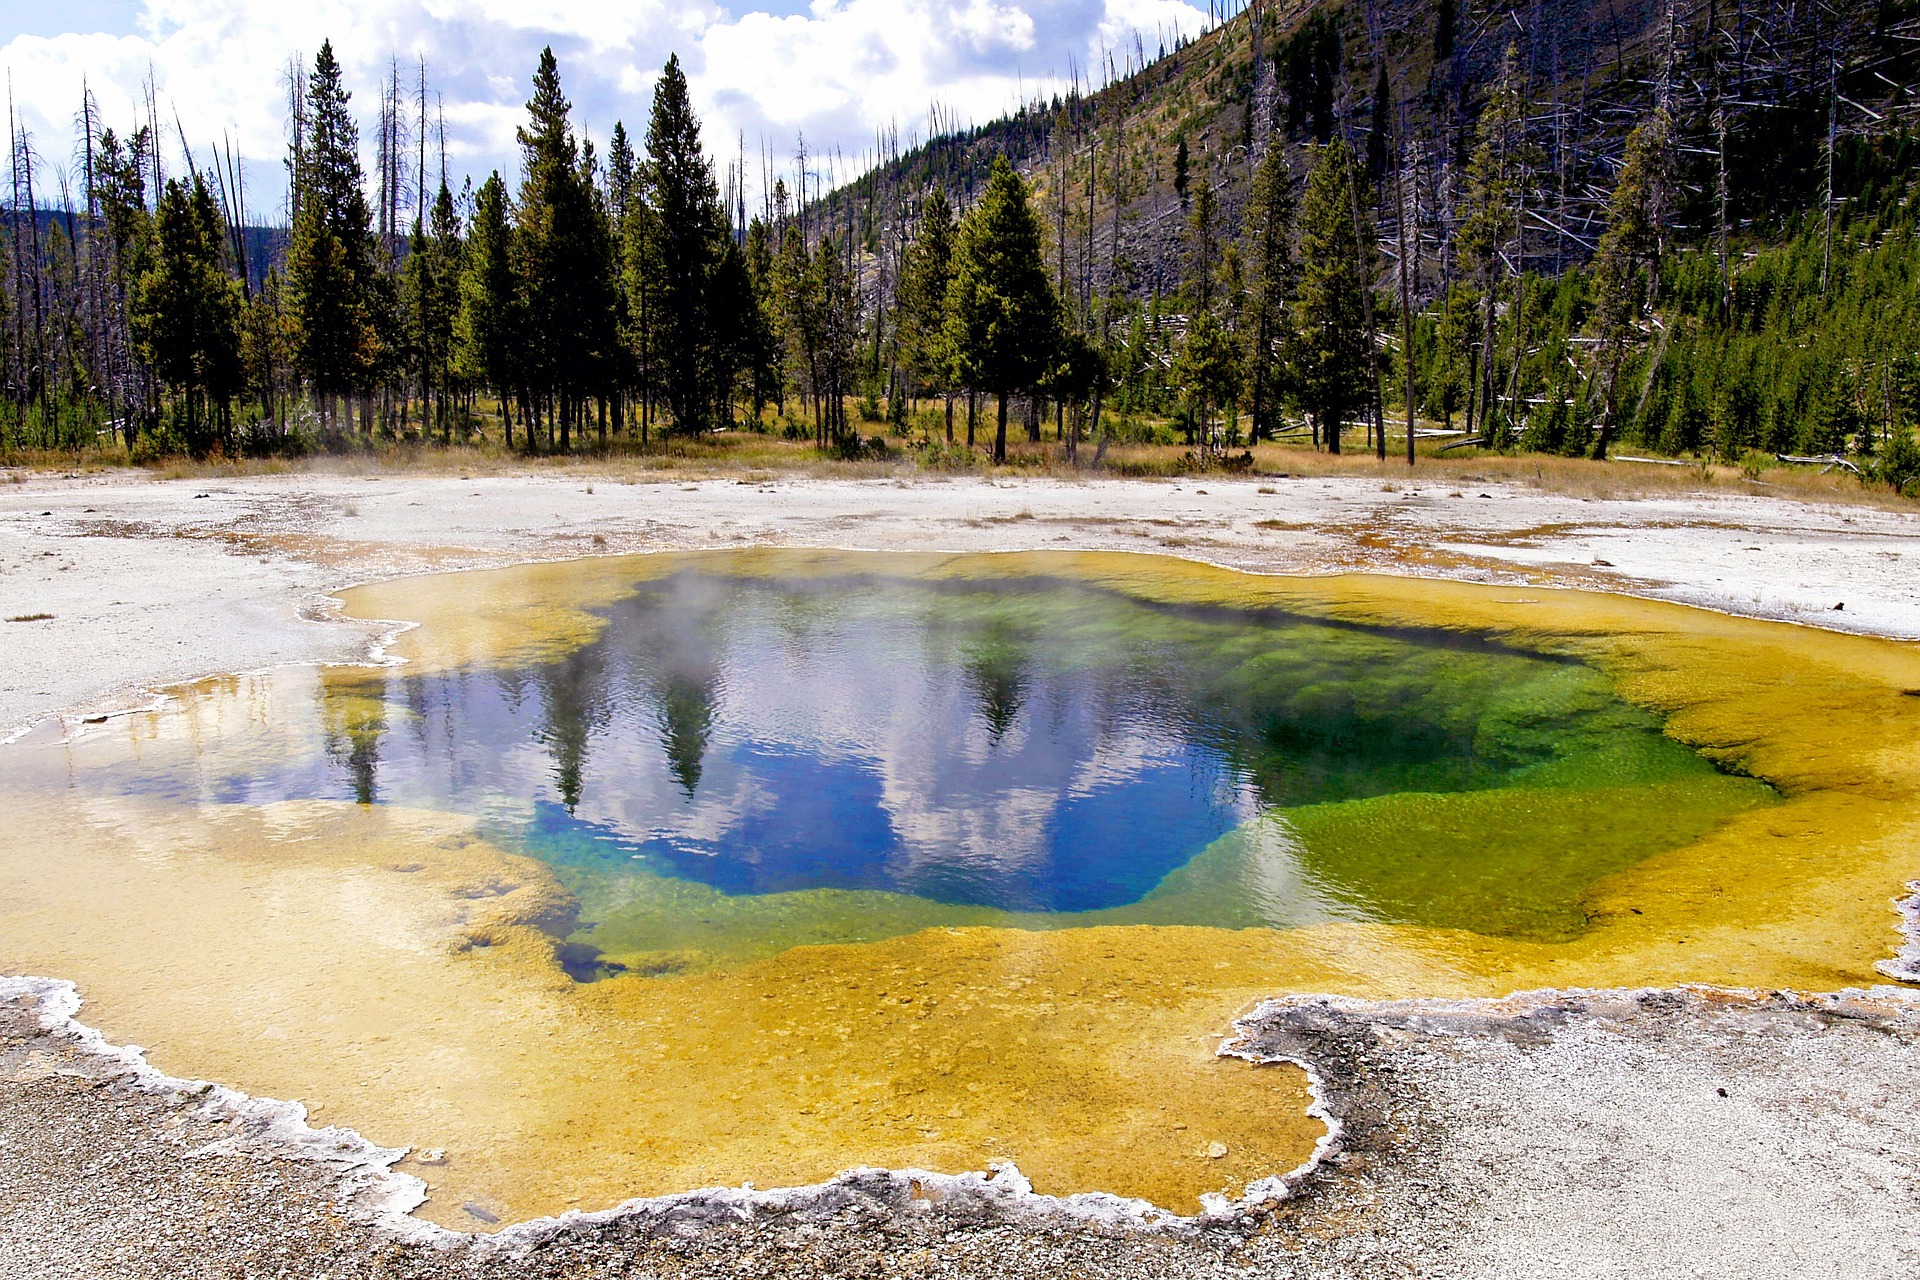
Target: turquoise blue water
(1037, 747)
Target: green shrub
(941, 456)
(1899, 463)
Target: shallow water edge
(373, 1192)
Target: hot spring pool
(653, 873)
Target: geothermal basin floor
(1618, 1135)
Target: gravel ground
(1565, 1135)
(1592, 1134)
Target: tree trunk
(1000, 433)
(1100, 447)
(1376, 423)
(1487, 339)
(1406, 303)
(1473, 386)
(1609, 408)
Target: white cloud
(837, 72)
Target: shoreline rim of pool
(373, 1192)
(388, 1198)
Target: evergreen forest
(1680, 229)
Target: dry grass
(731, 455)
(1583, 478)
(750, 457)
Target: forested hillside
(1685, 226)
(1762, 260)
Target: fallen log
(1825, 461)
(1657, 462)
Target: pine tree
(1904, 379)
(639, 295)
(1207, 368)
(564, 258)
(1275, 281)
(732, 340)
(1311, 59)
(836, 323)
(1380, 123)
(549, 155)
(1330, 312)
(924, 278)
(487, 329)
(1447, 374)
(623, 198)
(602, 360)
(266, 352)
(186, 310)
(689, 236)
(417, 303)
(119, 192)
(1003, 318)
(622, 177)
(1203, 248)
(1626, 260)
(1496, 174)
(761, 342)
(797, 308)
(331, 272)
(448, 257)
(1081, 375)
(430, 285)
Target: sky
(833, 70)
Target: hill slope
(1783, 112)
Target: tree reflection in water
(1033, 746)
